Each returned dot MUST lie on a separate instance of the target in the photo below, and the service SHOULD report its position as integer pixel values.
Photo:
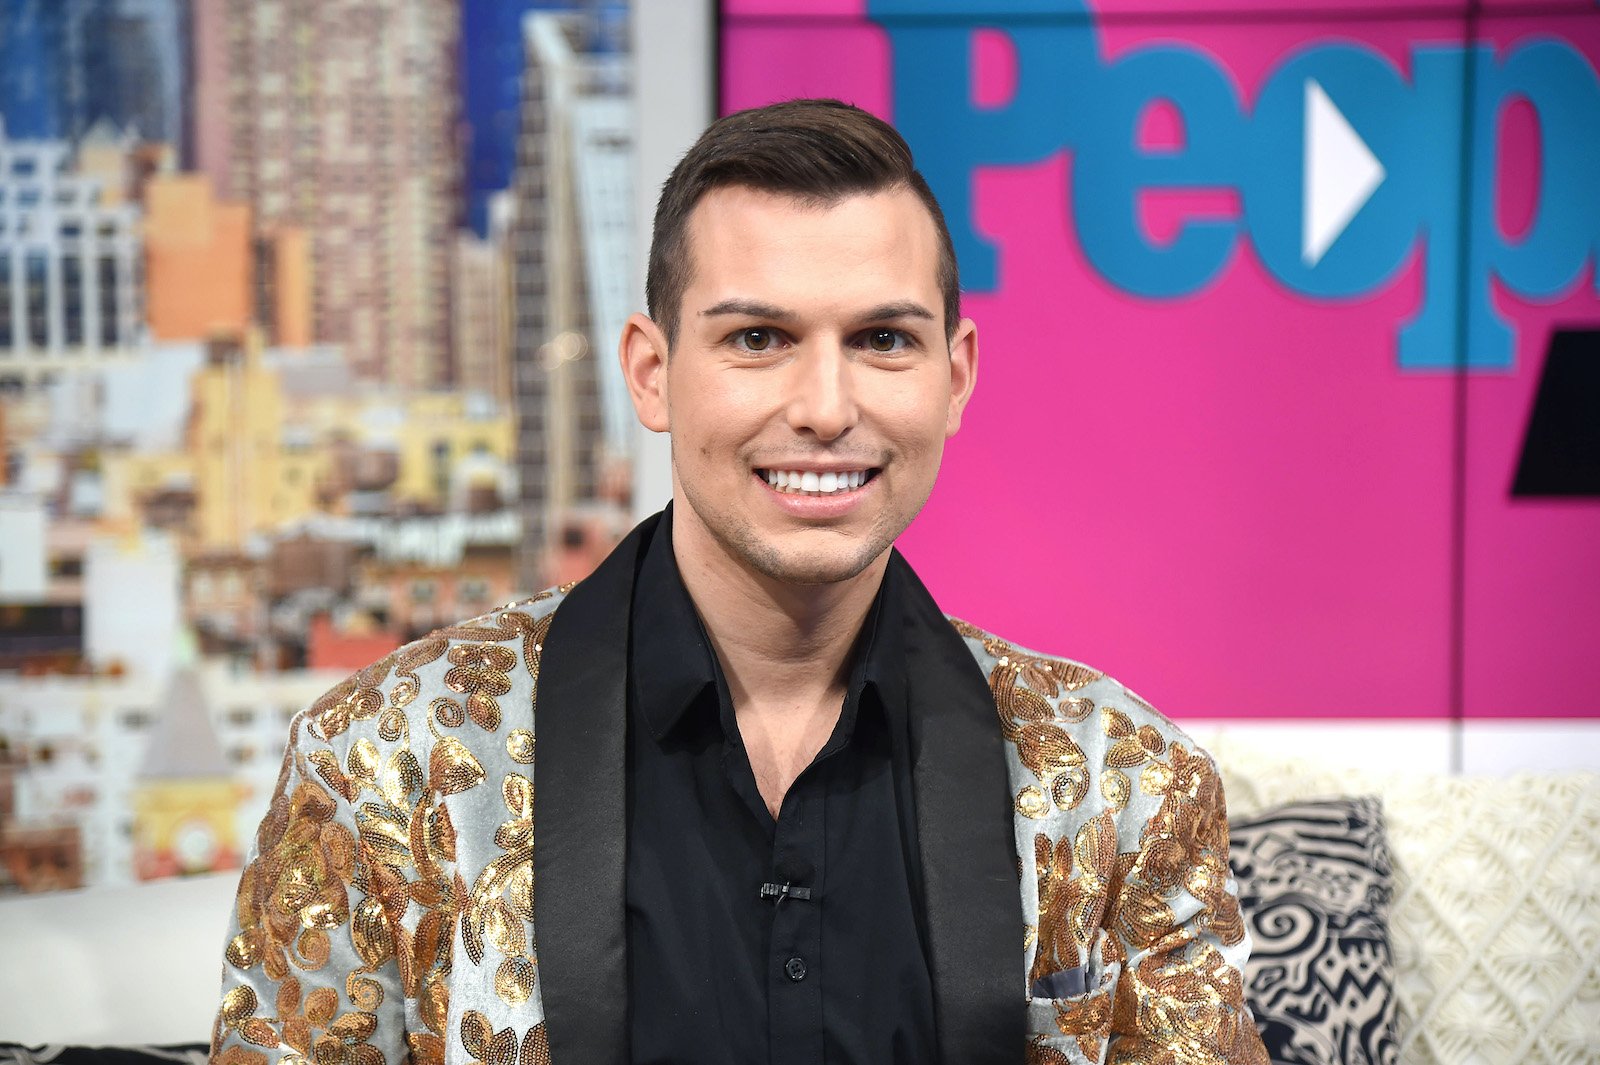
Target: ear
(963, 373)
(643, 352)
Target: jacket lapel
(580, 815)
(965, 835)
(963, 805)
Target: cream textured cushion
(1496, 915)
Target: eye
(755, 339)
(885, 341)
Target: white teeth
(815, 483)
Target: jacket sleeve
(1175, 916)
(310, 970)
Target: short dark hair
(819, 151)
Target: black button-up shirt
(729, 961)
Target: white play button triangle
(1341, 174)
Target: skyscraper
(570, 237)
(492, 58)
(66, 65)
(339, 117)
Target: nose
(822, 399)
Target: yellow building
(446, 445)
(260, 454)
(130, 478)
(246, 474)
(248, 477)
(449, 442)
(186, 799)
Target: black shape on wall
(1561, 448)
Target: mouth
(816, 482)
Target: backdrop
(1290, 390)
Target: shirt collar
(672, 665)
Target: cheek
(918, 421)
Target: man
(785, 810)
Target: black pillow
(186, 1054)
(1315, 884)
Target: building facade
(339, 118)
(71, 267)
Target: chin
(811, 570)
(828, 563)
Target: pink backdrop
(1238, 501)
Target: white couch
(113, 966)
(1495, 922)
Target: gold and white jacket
(395, 905)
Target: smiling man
(785, 809)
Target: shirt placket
(794, 956)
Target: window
(7, 339)
(37, 301)
(441, 467)
(72, 299)
(423, 591)
(108, 302)
(67, 566)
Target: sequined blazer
(395, 905)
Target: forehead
(869, 248)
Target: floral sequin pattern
(307, 1028)
(500, 908)
(353, 884)
(1075, 877)
(359, 698)
(1182, 1003)
(1074, 880)
(295, 892)
(490, 1047)
(1129, 747)
(1032, 696)
(481, 672)
(1155, 928)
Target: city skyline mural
(302, 314)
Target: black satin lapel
(580, 815)
(965, 833)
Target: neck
(782, 646)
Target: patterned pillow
(1314, 884)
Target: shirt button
(795, 968)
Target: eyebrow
(756, 309)
(901, 309)
(747, 309)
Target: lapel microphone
(785, 891)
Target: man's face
(811, 387)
